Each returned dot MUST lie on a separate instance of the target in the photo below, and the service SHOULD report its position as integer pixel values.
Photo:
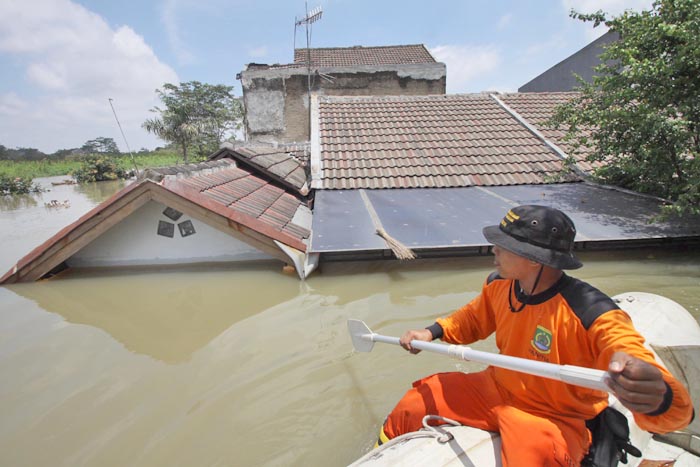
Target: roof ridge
(403, 97)
(362, 47)
(247, 155)
(185, 170)
(536, 94)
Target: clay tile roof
(537, 108)
(369, 56)
(269, 208)
(428, 141)
(285, 163)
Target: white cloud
(504, 21)
(551, 47)
(11, 104)
(169, 17)
(30, 26)
(74, 62)
(466, 62)
(47, 75)
(258, 52)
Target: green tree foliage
(27, 154)
(17, 186)
(100, 145)
(98, 168)
(641, 114)
(196, 115)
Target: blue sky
(62, 60)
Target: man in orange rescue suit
(540, 313)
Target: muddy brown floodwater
(230, 365)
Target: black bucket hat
(538, 233)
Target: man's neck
(549, 277)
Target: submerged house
(432, 171)
(215, 211)
(378, 175)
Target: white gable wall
(135, 241)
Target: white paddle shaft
(579, 376)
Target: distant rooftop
(368, 56)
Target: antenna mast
(123, 136)
(309, 18)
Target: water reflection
(99, 191)
(17, 202)
(397, 278)
(239, 366)
(165, 315)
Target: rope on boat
(442, 435)
(428, 431)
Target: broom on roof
(400, 250)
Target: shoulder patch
(586, 301)
(492, 277)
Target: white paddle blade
(361, 335)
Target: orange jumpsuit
(541, 421)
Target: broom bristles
(400, 250)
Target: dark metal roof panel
(341, 223)
(444, 218)
(602, 214)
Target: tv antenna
(308, 19)
(123, 136)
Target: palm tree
(195, 115)
(174, 127)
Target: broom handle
(370, 209)
(399, 249)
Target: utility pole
(133, 160)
